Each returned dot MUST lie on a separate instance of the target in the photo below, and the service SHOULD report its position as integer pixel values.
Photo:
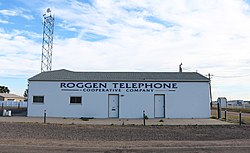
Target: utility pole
(210, 90)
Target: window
(75, 100)
(38, 99)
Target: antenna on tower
(47, 45)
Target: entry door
(159, 106)
(114, 106)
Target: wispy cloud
(18, 51)
(159, 21)
(4, 21)
(16, 12)
(8, 12)
(93, 37)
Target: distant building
(235, 102)
(11, 97)
(246, 102)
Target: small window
(38, 99)
(75, 100)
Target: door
(113, 106)
(159, 106)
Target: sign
(118, 86)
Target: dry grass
(243, 110)
(232, 117)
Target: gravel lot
(122, 133)
(35, 137)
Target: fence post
(44, 117)
(240, 118)
(225, 115)
(144, 117)
(218, 109)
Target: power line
(187, 69)
(219, 76)
(236, 76)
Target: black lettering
(63, 85)
(70, 85)
(88, 85)
(174, 86)
(104, 85)
(134, 85)
(115, 84)
(95, 85)
(167, 85)
(122, 85)
(79, 85)
(148, 84)
(127, 85)
(157, 85)
(140, 85)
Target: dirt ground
(64, 138)
(36, 137)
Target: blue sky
(109, 35)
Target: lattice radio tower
(47, 46)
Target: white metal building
(64, 93)
(222, 101)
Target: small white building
(64, 93)
(222, 101)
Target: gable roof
(66, 75)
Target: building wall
(185, 100)
(190, 101)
